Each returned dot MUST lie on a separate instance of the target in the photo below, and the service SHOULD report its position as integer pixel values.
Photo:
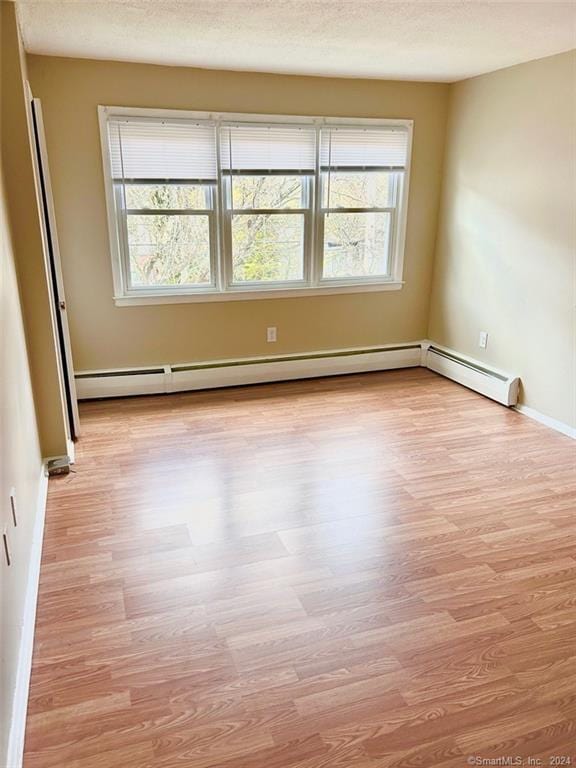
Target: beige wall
(22, 208)
(20, 465)
(506, 250)
(106, 336)
(19, 469)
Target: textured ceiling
(351, 38)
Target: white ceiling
(418, 40)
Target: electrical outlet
(13, 506)
(271, 334)
(483, 339)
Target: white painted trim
(399, 245)
(424, 352)
(210, 378)
(110, 204)
(547, 421)
(20, 701)
(121, 386)
(71, 446)
(252, 116)
(60, 297)
(130, 300)
(236, 372)
(426, 343)
(53, 321)
(475, 375)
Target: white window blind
(262, 149)
(343, 148)
(143, 150)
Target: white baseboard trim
(230, 373)
(15, 749)
(71, 450)
(548, 421)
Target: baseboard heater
(229, 373)
(489, 382)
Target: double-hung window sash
(164, 174)
(268, 192)
(361, 179)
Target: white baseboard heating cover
(495, 384)
(230, 373)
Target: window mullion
(392, 240)
(214, 237)
(227, 277)
(306, 208)
(317, 248)
(222, 255)
(123, 238)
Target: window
(362, 171)
(267, 175)
(206, 207)
(164, 175)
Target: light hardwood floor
(374, 570)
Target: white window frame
(308, 239)
(222, 288)
(122, 221)
(392, 240)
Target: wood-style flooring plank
(372, 571)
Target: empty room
(287, 384)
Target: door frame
(56, 287)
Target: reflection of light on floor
(353, 474)
(220, 499)
(337, 474)
(171, 494)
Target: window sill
(250, 295)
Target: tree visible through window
(168, 248)
(357, 226)
(267, 244)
